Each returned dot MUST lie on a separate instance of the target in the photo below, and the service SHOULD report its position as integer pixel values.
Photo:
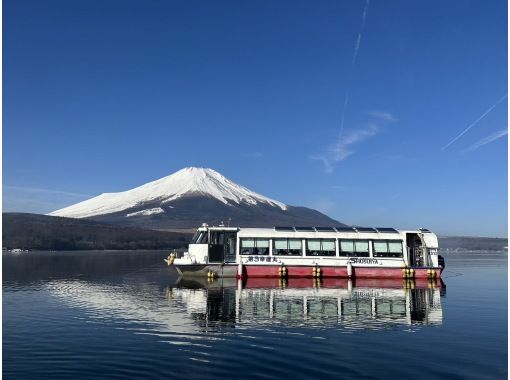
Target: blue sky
(103, 96)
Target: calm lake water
(89, 315)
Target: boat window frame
(388, 254)
(321, 254)
(255, 239)
(275, 250)
(353, 253)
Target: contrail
(475, 122)
(487, 140)
(353, 62)
(358, 41)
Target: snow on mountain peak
(187, 181)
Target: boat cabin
(223, 245)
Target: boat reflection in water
(353, 304)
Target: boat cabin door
(222, 246)
(415, 251)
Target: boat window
(361, 247)
(217, 238)
(380, 248)
(199, 238)
(287, 247)
(280, 244)
(357, 248)
(195, 237)
(251, 246)
(346, 248)
(328, 245)
(203, 238)
(395, 247)
(263, 246)
(313, 245)
(320, 247)
(295, 247)
(387, 248)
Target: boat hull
(304, 271)
(202, 270)
(338, 271)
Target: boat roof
(315, 229)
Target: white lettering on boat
(363, 260)
(262, 259)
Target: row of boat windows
(321, 247)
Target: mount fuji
(188, 198)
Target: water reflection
(111, 315)
(187, 309)
(367, 304)
(137, 292)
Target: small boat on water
(319, 252)
(18, 250)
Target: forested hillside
(41, 232)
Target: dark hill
(42, 232)
(468, 243)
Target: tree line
(42, 232)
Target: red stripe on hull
(332, 272)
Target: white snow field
(187, 181)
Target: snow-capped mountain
(187, 198)
(185, 182)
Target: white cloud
(344, 146)
(487, 140)
(328, 167)
(44, 191)
(386, 116)
(37, 200)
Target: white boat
(363, 252)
